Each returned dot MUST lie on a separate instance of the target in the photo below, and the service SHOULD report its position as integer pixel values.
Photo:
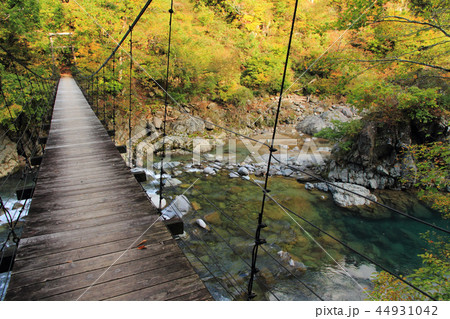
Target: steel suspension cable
(136, 20)
(229, 277)
(262, 247)
(97, 96)
(258, 240)
(130, 151)
(114, 95)
(104, 98)
(207, 269)
(231, 248)
(365, 197)
(285, 209)
(166, 101)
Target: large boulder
(345, 194)
(188, 124)
(311, 125)
(345, 199)
(333, 115)
(315, 123)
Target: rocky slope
(9, 158)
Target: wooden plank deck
(86, 211)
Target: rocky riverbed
(219, 202)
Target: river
(230, 207)
(296, 258)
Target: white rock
(243, 171)
(345, 199)
(154, 198)
(209, 170)
(201, 223)
(179, 207)
(322, 187)
(173, 182)
(309, 186)
(166, 165)
(234, 175)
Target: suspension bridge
(87, 219)
(91, 232)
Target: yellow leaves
(12, 111)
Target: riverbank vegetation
(388, 58)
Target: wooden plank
(31, 248)
(109, 289)
(114, 191)
(164, 290)
(96, 262)
(199, 295)
(87, 206)
(74, 215)
(139, 223)
(82, 281)
(87, 213)
(97, 249)
(79, 188)
(41, 227)
(89, 200)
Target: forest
(387, 58)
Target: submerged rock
(213, 218)
(286, 258)
(180, 206)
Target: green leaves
(344, 133)
(356, 13)
(432, 277)
(431, 174)
(420, 104)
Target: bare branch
(405, 61)
(405, 20)
(427, 47)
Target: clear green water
(231, 206)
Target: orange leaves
(142, 242)
(141, 245)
